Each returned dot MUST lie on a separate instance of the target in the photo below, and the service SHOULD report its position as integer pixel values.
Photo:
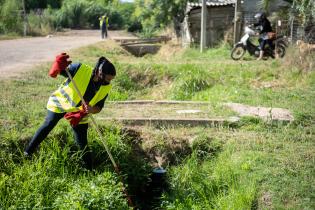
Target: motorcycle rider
(264, 27)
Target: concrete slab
(265, 113)
(187, 113)
(215, 122)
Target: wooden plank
(141, 42)
(155, 39)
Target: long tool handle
(100, 135)
(93, 121)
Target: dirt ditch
(162, 149)
(141, 47)
(140, 50)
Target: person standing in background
(103, 26)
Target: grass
(10, 36)
(254, 165)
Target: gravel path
(20, 55)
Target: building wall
(219, 20)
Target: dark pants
(263, 43)
(104, 32)
(80, 135)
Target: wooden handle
(92, 119)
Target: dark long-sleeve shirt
(265, 26)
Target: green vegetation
(254, 165)
(147, 18)
(305, 9)
(44, 17)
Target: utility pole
(203, 31)
(24, 18)
(237, 20)
(291, 27)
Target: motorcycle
(279, 43)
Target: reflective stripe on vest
(65, 99)
(100, 94)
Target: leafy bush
(10, 17)
(211, 185)
(191, 82)
(102, 192)
(135, 26)
(148, 32)
(205, 147)
(35, 4)
(126, 10)
(39, 24)
(72, 13)
(115, 20)
(303, 60)
(92, 12)
(82, 14)
(133, 81)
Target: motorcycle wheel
(281, 51)
(238, 52)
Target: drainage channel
(150, 197)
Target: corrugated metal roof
(212, 3)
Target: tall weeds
(302, 60)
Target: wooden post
(203, 31)
(291, 28)
(277, 31)
(237, 20)
(24, 18)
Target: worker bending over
(94, 85)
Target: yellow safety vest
(102, 19)
(66, 99)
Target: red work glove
(75, 117)
(59, 65)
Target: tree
(10, 16)
(42, 4)
(57, 14)
(160, 13)
(304, 8)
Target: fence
(292, 28)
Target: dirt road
(20, 55)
